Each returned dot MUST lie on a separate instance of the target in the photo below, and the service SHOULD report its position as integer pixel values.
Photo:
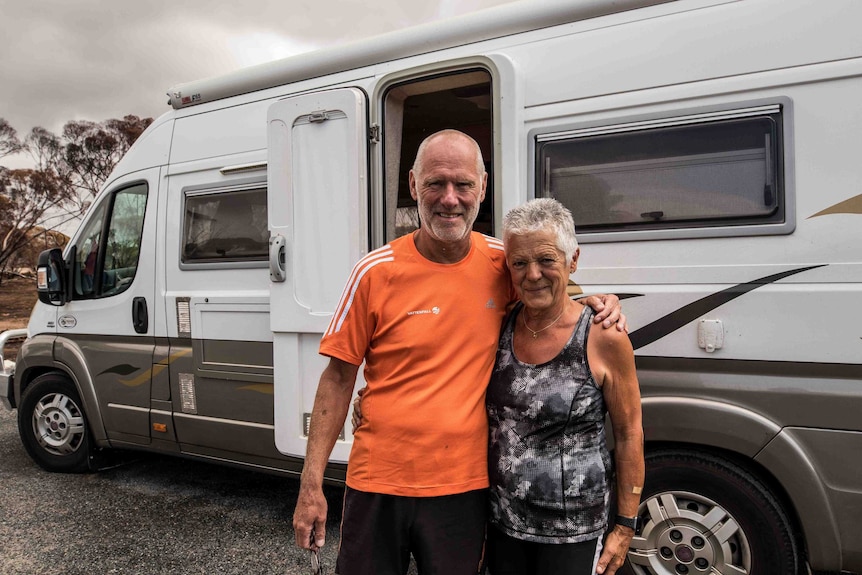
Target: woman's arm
(612, 362)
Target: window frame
(704, 228)
(195, 191)
(107, 202)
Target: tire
(702, 514)
(53, 426)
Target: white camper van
(709, 149)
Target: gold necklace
(537, 332)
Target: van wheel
(53, 426)
(702, 514)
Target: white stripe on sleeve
(378, 256)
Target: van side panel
(784, 387)
(689, 46)
(205, 135)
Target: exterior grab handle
(277, 258)
(140, 315)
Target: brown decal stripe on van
(850, 206)
(126, 369)
(265, 388)
(121, 369)
(675, 320)
(146, 376)
(623, 296)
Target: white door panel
(317, 205)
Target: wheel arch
(706, 422)
(786, 458)
(40, 360)
(756, 444)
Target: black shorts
(510, 556)
(446, 535)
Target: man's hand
(614, 551)
(327, 420)
(309, 518)
(608, 310)
(356, 417)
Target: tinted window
(106, 257)
(701, 174)
(225, 227)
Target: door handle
(140, 317)
(277, 258)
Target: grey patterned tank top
(548, 463)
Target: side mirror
(51, 277)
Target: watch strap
(630, 522)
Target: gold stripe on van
(851, 206)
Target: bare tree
(25, 198)
(9, 143)
(68, 172)
(90, 150)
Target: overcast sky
(64, 60)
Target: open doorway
(419, 107)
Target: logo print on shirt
(435, 310)
(491, 304)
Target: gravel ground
(148, 515)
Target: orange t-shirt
(428, 334)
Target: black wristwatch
(631, 522)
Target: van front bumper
(6, 381)
(7, 368)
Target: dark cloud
(89, 59)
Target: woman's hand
(614, 552)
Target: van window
(106, 256)
(225, 226)
(674, 173)
(416, 109)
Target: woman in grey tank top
(551, 475)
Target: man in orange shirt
(424, 313)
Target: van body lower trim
(226, 421)
(129, 407)
(751, 367)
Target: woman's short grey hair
(543, 214)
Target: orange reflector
(160, 427)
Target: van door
(106, 332)
(317, 206)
